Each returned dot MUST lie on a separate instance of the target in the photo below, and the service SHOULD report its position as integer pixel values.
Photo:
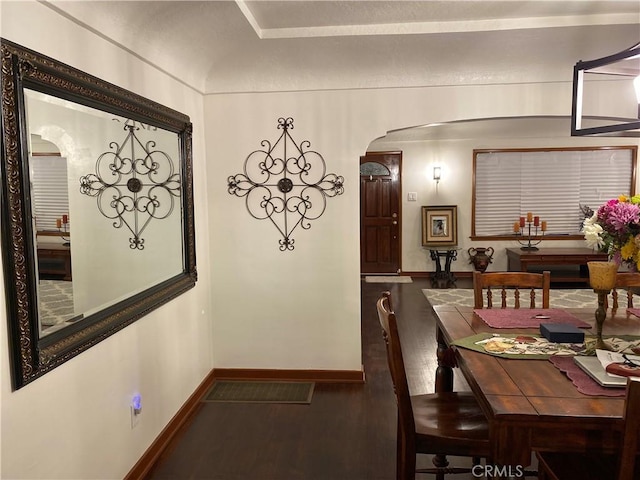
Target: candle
(522, 221)
(529, 217)
(536, 220)
(516, 227)
(58, 222)
(65, 219)
(544, 226)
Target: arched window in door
(373, 168)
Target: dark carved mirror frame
(33, 355)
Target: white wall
(297, 309)
(74, 422)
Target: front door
(380, 216)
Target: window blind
(553, 184)
(49, 190)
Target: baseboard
(319, 376)
(429, 274)
(143, 467)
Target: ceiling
(261, 46)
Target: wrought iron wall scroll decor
(290, 189)
(143, 186)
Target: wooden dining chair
(440, 424)
(626, 282)
(623, 466)
(513, 284)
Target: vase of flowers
(615, 229)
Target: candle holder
(63, 228)
(602, 278)
(531, 239)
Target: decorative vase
(480, 257)
(602, 278)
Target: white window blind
(49, 190)
(552, 184)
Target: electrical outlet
(135, 417)
(136, 410)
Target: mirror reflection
(106, 207)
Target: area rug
(558, 298)
(260, 392)
(55, 299)
(388, 279)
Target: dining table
(530, 403)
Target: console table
(54, 261)
(443, 278)
(546, 258)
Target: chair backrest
(396, 366)
(631, 431)
(507, 284)
(625, 281)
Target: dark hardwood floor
(347, 432)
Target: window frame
(45, 192)
(476, 152)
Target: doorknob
(394, 222)
(394, 215)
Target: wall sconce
(616, 67)
(437, 173)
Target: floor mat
(260, 392)
(388, 279)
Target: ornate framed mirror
(97, 209)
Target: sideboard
(54, 261)
(565, 264)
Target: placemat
(583, 382)
(634, 311)
(527, 317)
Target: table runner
(518, 345)
(534, 347)
(582, 381)
(527, 318)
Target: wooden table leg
(446, 362)
(444, 381)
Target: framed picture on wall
(440, 226)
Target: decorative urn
(480, 257)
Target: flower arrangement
(615, 229)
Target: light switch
(412, 197)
